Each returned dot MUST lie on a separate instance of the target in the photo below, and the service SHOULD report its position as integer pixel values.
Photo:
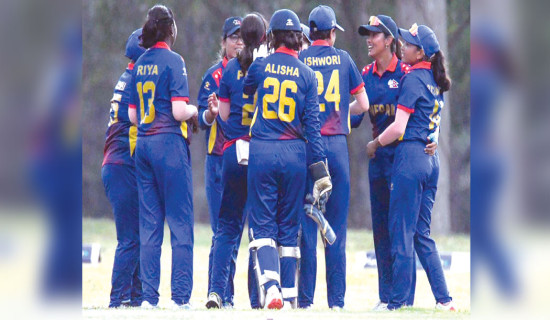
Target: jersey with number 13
(159, 77)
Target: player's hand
(194, 121)
(323, 184)
(371, 148)
(432, 144)
(213, 104)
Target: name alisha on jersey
(322, 61)
(282, 70)
(147, 70)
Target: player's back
(121, 134)
(286, 88)
(160, 77)
(338, 78)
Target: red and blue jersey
(159, 77)
(287, 103)
(421, 97)
(383, 91)
(120, 138)
(210, 84)
(241, 106)
(338, 78)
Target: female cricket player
(415, 173)
(236, 112)
(163, 162)
(286, 116)
(382, 81)
(119, 179)
(338, 79)
(232, 44)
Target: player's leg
(137, 291)
(175, 180)
(230, 222)
(424, 245)
(337, 215)
(213, 186)
(308, 253)
(121, 189)
(379, 184)
(262, 199)
(151, 221)
(405, 200)
(292, 187)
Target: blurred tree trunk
(433, 13)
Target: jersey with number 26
(159, 77)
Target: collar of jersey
(422, 65)
(131, 66)
(320, 43)
(391, 67)
(161, 45)
(224, 61)
(287, 51)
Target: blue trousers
(413, 188)
(121, 190)
(214, 188)
(336, 149)
(380, 171)
(230, 225)
(277, 179)
(163, 165)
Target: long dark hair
(439, 71)
(395, 46)
(253, 33)
(158, 26)
(290, 39)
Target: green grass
(361, 290)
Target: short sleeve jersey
(120, 138)
(159, 77)
(241, 106)
(338, 78)
(287, 103)
(421, 97)
(210, 84)
(383, 92)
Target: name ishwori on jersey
(322, 61)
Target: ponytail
(158, 26)
(439, 72)
(253, 30)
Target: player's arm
(206, 116)
(361, 102)
(132, 114)
(183, 111)
(179, 92)
(132, 111)
(251, 78)
(224, 102)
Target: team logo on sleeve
(120, 86)
(393, 84)
(184, 71)
(207, 85)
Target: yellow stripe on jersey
(132, 137)
(349, 121)
(212, 138)
(253, 121)
(183, 128)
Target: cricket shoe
(448, 306)
(173, 305)
(147, 305)
(214, 301)
(380, 306)
(274, 298)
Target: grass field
(361, 292)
